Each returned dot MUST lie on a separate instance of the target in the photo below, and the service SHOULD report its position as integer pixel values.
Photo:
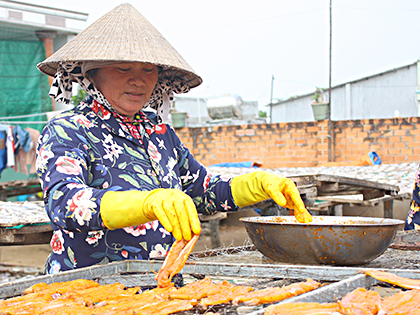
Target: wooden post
(389, 209)
(214, 234)
(47, 37)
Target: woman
(412, 221)
(117, 182)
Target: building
(226, 109)
(393, 93)
(28, 34)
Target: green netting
(23, 88)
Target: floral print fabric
(84, 152)
(413, 218)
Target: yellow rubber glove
(258, 186)
(173, 208)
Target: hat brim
(190, 78)
(122, 35)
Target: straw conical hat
(122, 35)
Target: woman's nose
(137, 79)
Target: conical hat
(122, 35)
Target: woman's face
(127, 86)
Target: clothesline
(23, 116)
(5, 120)
(22, 122)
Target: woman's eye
(124, 69)
(148, 70)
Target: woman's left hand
(258, 186)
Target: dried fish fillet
(407, 302)
(275, 294)
(226, 294)
(361, 301)
(196, 290)
(61, 287)
(88, 297)
(303, 308)
(169, 307)
(133, 304)
(175, 260)
(393, 279)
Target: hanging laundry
(10, 146)
(25, 158)
(7, 153)
(3, 150)
(22, 139)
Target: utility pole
(329, 93)
(271, 99)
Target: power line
(291, 81)
(263, 93)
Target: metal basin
(326, 240)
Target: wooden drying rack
(320, 193)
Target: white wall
(377, 96)
(298, 109)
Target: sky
(276, 49)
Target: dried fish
(401, 175)
(22, 213)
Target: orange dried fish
(132, 304)
(227, 292)
(361, 301)
(275, 294)
(302, 308)
(168, 307)
(96, 299)
(98, 294)
(41, 294)
(175, 260)
(407, 302)
(196, 290)
(60, 308)
(61, 287)
(393, 279)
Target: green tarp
(23, 88)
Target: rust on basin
(326, 240)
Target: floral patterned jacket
(413, 218)
(84, 152)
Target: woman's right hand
(250, 188)
(173, 208)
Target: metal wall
(386, 95)
(295, 110)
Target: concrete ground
(26, 255)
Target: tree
(80, 96)
(262, 114)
